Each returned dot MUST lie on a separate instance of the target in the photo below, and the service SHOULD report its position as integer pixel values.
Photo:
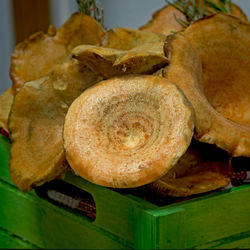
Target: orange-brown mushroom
(196, 172)
(6, 100)
(164, 21)
(36, 122)
(127, 39)
(210, 62)
(127, 131)
(144, 59)
(37, 56)
(169, 19)
(124, 51)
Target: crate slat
(10, 241)
(218, 220)
(50, 226)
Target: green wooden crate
(10, 241)
(123, 221)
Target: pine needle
(193, 9)
(92, 8)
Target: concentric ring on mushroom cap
(210, 62)
(127, 131)
(36, 122)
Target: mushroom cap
(168, 19)
(108, 62)
(124, 51)
(127, 39)
(203, 168)
(36, 122)
(210, 62)
(209, 176)
(6, 100)
(36, 56)
(164, 21)
(127, 131)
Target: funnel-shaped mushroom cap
(36, 121)
(126, 39)
(170, 19)
(210, 62)
(37, 56)
(164, 21)
(124, 51)
(127, 131)
(196, 172)
(208, 176)
(143, 59)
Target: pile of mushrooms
(122, 107)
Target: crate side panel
(149, 233)
(144, 227)
(4, 159)
(238, 244)
(10, 241)
(114, 212)
(170, 228)
(219, 217)
(206, 220)
(49, 226)
(237, 241)
(113, 209)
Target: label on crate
(239, 178)
(4, 133)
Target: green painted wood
(114, 212)
(237, 241)
(238, 244)
(50, 226)
(160, 232)
(4, 159)
(10, 241)
(145, 236)
(202, 223)
(113, 209)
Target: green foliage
(92, 8)
(194, 9)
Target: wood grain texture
(49, 226)
(29, 17)
(4, 159)
(10, 241)
(211, 221)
